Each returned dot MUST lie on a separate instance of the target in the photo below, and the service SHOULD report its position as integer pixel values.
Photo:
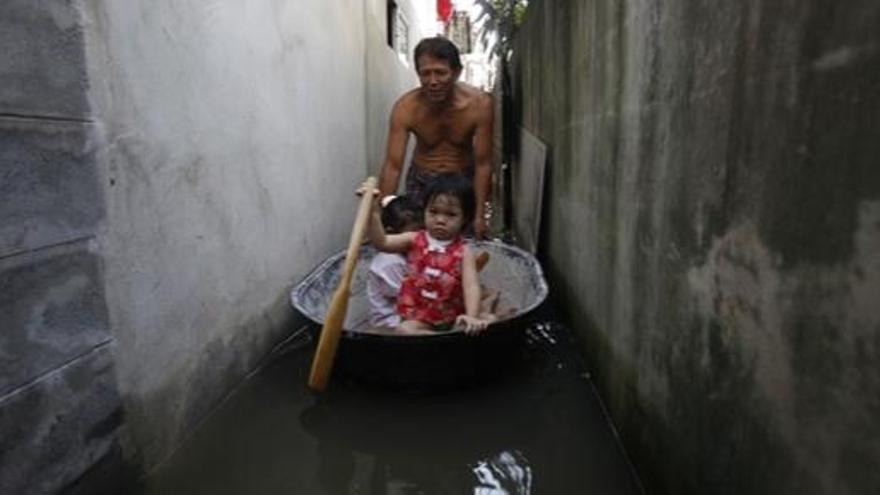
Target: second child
(399, 214)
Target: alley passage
(540, 430)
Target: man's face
(436, 77)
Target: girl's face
(443, 217)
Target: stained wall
(712, 230)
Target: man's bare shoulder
(474, 97)
(405, 105)
(408, 100)
(473, 91)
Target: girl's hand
(470, 324)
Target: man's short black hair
(459, 187)
(441, 48)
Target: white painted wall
(232, 135)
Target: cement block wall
(712, 229)
(168, 173)
(60, 411)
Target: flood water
(540, 429)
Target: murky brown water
(540, 430)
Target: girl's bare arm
(470, 322)
(470, 283)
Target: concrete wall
(232, 135)
(169, 171)
(713, 230)
(59, 407)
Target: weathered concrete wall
(388, 74)
(59, 408)
(232, 136)
(168, 172)
(713, 224)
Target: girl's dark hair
(440, 48)
(457, 186)
(399, 212)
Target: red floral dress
(431, 292)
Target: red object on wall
(444, 10)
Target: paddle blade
(322, 363)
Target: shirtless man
(452, 123)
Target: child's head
(401, 214)
(449, 205)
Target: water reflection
(537, 430)
(507, 473)
(411, 445)
(478, 440)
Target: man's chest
(451, 127)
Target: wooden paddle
(322, 363)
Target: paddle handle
(322, 363)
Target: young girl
(441, 288)
(387, 270)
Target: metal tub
(378, 356)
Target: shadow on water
(540, 429)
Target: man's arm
(395, 150)
(483, 161)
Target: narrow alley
(679, 202)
